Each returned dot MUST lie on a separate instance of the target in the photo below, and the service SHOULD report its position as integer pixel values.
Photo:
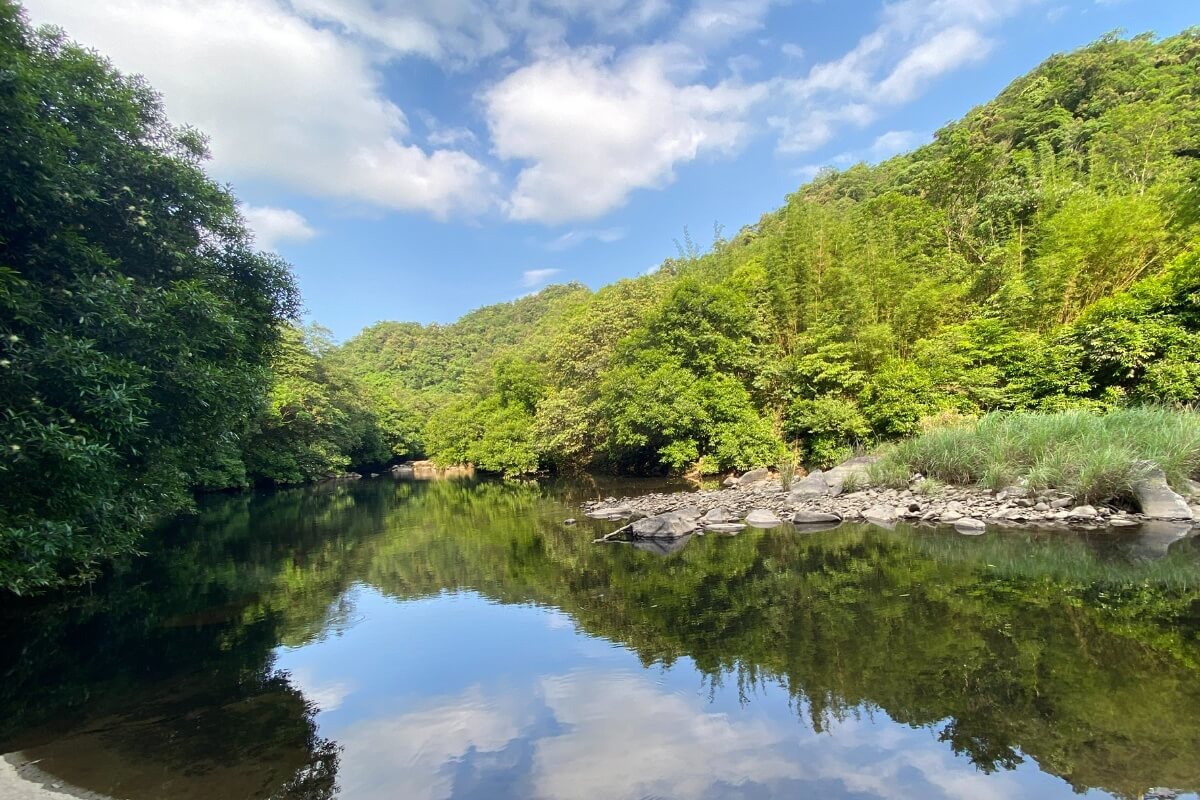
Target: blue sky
(415, 159)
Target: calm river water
(425, 640)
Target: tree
(136, 320)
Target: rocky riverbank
(821, 500)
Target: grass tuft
(1093, 456)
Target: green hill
(1039, 253)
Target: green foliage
(136, 320)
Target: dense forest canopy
(1039, 253)
(137, 323)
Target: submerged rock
(611, 512)
(969, 526)
(806, 517)
(665, 526)
(719, 514)
(662, 547)
(724, 527)
(1156, 498)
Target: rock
(729, 482)
(811, 485)
(1156, 498)
(611, 512)
(970, 526)
(856, 467)
(665, 526)
(762, 518)
(1083, 512)
(1122, 521)
(1192, 489)
(753, 476)
(569, 521)
(880, 513)
(949, 516)
(806, 517)
(1043, 507)
(724, 527)
(689, 511)
(1062, 502)
(720, 514)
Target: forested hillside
(1040, 253)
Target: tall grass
(1094, 456)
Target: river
(426, 640)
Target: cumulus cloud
(594, 129)
(282, 99)
(536, 277)
(716, 22)
(274, 225)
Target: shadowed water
(427, 640)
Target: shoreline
(21, 779)
(969, 509)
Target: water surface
(426, 640)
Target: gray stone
(806, 517)
(1062, 502)
(720, 514)
(569, 521)
(611, 512)
(857, 467)
(763, 518)
(1156, 498)
(811, 485)
(880, 513)
(970, 526)
(729, 482)
(1083, 512)
(724, 527)
(949, 516)
(754, 476)
(665, 526)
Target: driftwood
(608, 536)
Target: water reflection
(454, 639)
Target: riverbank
(759, 498)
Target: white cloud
(944, 51)
(536, 277)
(274, 225)
(595, 129)
(915, 42)
(716, 22)
(792, 50)
(326, 696)
(282, 99)
(579, 236)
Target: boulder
(720, 514)
(689, 511)
(670, 525)
(762, 518)
(969, 526)
(729, 482)
(805, 517)
(1084, 512)
(1156, 498)
(811, 485)
(611, 512)
(754, 476)
(835, 478)
(880, 513)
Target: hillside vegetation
(1041, 253)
